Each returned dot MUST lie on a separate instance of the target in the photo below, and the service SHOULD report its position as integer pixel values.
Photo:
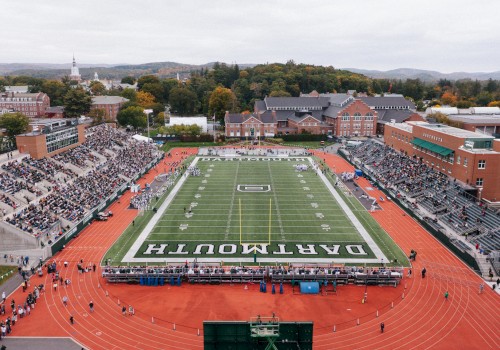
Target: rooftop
(296, 102)
(388, 102)
(449, 130)
(476, 119)
(402, 126)
(108, 100)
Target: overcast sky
(442, 35)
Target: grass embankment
(5, 273)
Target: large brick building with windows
(470, 157)
(30, 104)
(51, 136)
(250, 125)
(110, 104)
(341, 115)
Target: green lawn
(298, 218)
(6, 272)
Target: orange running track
(415, 313)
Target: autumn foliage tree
(221, 100)
(145, 99)
(448, 99)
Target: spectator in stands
(109, 158)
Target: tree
(77, 102)
(448, 98)
(464, 104)
(128, 80)
(492, 85)
(221, 100)
(129, 94)
(147, 79)
(97, 88)
(279, 93)
(98, 116)
(159, 120)
(145, 99)
(181, 129)
(484, 98)
(183, 101)
(14, 124)
(55, 90)
(133, 116)
(155, 89)
(168, 84)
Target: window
(479, 181)
(61, 139)
(458, 159)
(368, 116)
(345, 116)
(481, 164)
(357, 116)
(465, 161)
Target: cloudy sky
(443, 35)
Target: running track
(420, 320)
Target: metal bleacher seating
(219, 275)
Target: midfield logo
(254, 188)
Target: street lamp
(148, 113)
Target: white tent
(200, 121)
(142, 138)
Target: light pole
(167, 114)
(148, 113)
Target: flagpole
(213, 124)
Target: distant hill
(170, 70)
(6, 68)
(107, 71)
(425, 75)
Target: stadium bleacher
(431, 190)
(243, 274)
(68, 185)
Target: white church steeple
(75, 73)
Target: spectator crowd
(107, 159)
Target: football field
(256, 210)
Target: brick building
(470, 157)
(392, 109)
(248, 125)
(30, 104)
(341, 115)
(110, 104)
(484, 124)
(51, 136)
(351, 117)
(55, 112)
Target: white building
(200, 121)
(75, 72)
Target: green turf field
(245, 209)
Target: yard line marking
(231, 205)
(278, 214)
